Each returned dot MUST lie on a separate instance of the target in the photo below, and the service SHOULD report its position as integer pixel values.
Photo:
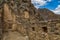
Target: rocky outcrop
(14, 36)
(20, 19)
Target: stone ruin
(20, 20)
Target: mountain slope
(47, 14)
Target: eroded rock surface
(20, 20)
(14, 36)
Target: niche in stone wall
(33, 29)
(10, 26)
(44, 29)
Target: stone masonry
(20, 20)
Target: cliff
(21, 20)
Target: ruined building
(20, 20)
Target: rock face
(20, 20)
(14, 36)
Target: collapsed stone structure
(22, 17)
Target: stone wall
(23, 17)
(45, 30)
